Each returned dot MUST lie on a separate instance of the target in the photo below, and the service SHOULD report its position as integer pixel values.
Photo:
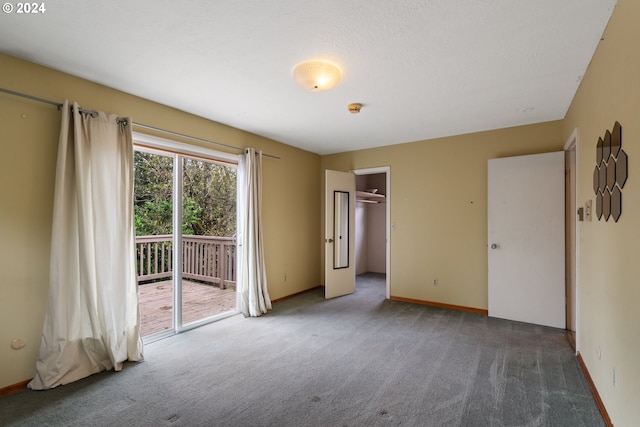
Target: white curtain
(253, 296)
(92, 319)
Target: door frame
(572, 145)
(387, 171)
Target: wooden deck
(199, 301)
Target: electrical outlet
(615, 377)
(284, 277)
(598, 353)
(435, 281)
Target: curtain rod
(120, 119)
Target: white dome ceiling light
(316, 76)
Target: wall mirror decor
(340, 229)
(610, 174)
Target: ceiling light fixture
(316, 76)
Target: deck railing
(206, 258)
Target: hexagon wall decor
(606, 147)
(610, 174)
(615, 140)
(602, 180)
(606, 205)
(621, 169)
(616, 203)
(599, 151)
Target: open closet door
(339, 241)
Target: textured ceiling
(421, 68)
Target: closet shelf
(367, 197)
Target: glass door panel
(153, 209)
(208, 239)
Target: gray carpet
(357, 360)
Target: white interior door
(526, 251)
(340, 189)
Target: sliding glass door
(185, 210)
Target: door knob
(494, 246)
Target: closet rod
(59, 106)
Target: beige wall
(609, 271)
(438, 207)
(28, 134)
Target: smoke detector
(354, 108)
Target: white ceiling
(421, 68)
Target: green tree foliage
(209, 196)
